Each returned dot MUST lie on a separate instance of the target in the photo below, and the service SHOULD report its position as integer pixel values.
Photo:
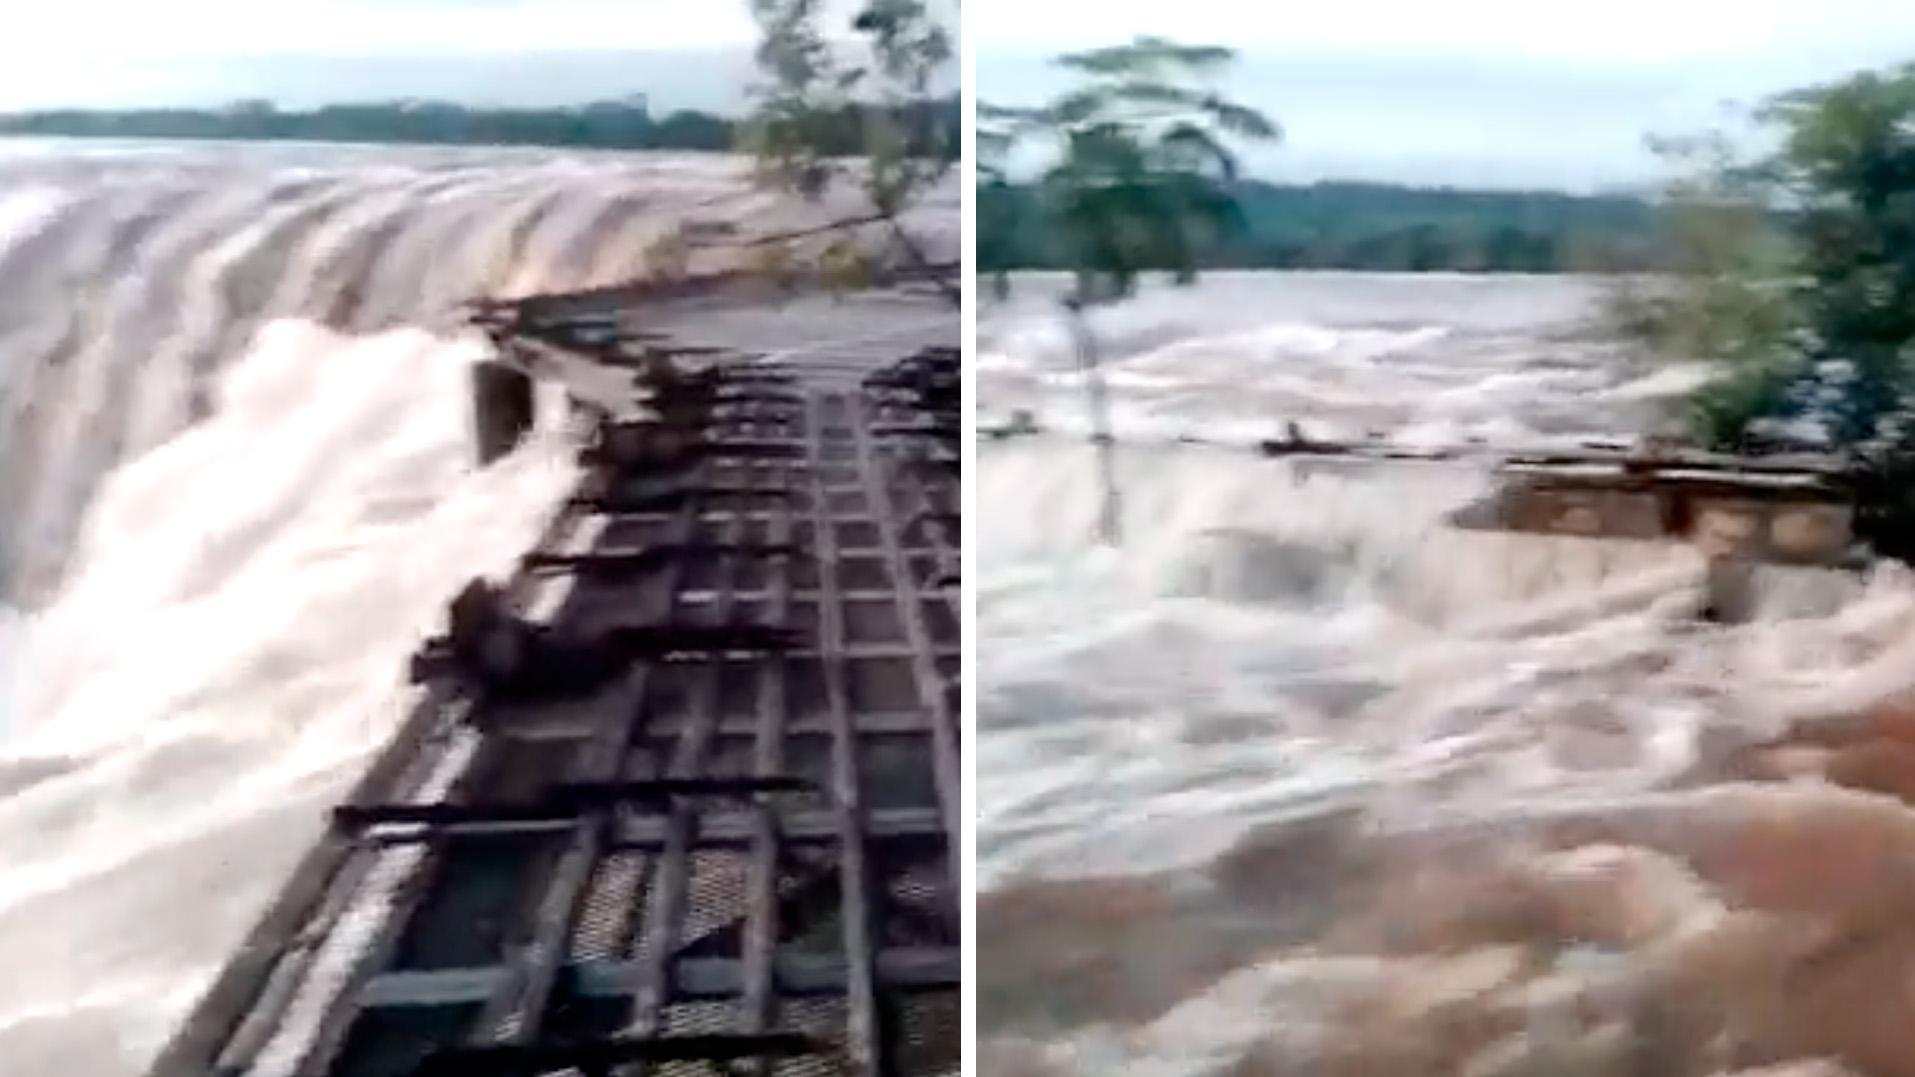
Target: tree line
(626, 124)
(1366, 226)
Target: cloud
(1471, 91)
(130, 52)
(1614, 30)
(121, 52)
(109, 29)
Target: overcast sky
(693, 53)
(1467, 92)
(1472, 92)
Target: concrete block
(1811, 534)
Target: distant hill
(623, 124)
(1371, 226)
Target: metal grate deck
(681, 797)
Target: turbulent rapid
(1301, 780)
(235, 491)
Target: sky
(1467, 92)
(1462, 92)
(300, 53)
(685, 53)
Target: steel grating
(680, 798)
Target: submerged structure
(1804, 510)
(681, 795)
(1798, 511)
(1789, 509)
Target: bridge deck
(682, 796)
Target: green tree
(1801, 284)
(1348, 226)
(1797, 267)
(1846, 176)
(1001, 207)
(1143, 178)
(624, 124)
(1731, 298)
(814, 98)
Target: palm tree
(1143, 180)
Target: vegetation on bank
(1798, 271)
(1797, 280)
(627, 124)
(1368, 226)
(880, 93)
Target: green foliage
(910, 47)
(1721, 414)
(1144, 176)
(1796, 269)
(786, 131)
(1356, 226)
(1726, 298)
(1847, 168)
(906, 141)
(626, 124)
(812, 96)
(1002, 211)
(622, 125)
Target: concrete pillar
(1813, 534)
(502, 408)
(1730, 537)
(1729, 590)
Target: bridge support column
(502, 408)
(1732, 540)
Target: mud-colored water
(1299, 780)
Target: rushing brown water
(1302, 781)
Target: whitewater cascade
(236, 490)
(1303, 780)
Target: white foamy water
(1433, 359)
(236, 491)
(1302, 781)
(9, 633)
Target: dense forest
(1343, 225)
(622, 124)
